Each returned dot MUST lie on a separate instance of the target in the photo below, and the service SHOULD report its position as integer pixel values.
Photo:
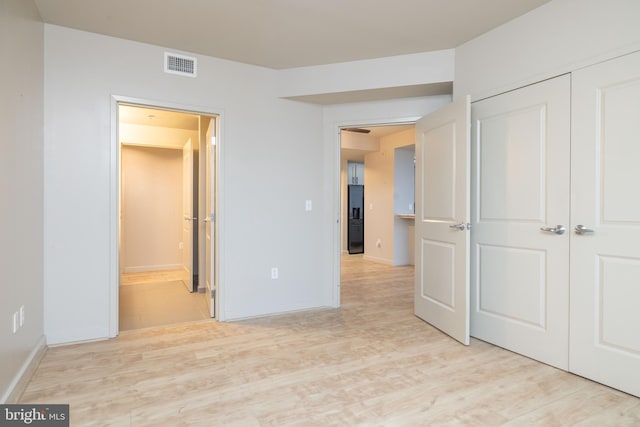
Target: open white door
(187, 214)
(209, 220)
(442, 218)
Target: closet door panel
(605, 260)
(520, 169)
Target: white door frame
(114, 201)
(337, 190)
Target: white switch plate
(274, 272)
(308, 205)
(21, 316)
(15, 322)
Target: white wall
(272, 161)
(404, 200)
(21, 188)
(151, 209)
(556, 38)
(396, 71)
(404, 173)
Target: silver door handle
(581, 229)
(460, 226)
(188, 218)
(558, 229)
(205, 220)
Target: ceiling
(155, 117)
(357, 155)
(283, 34)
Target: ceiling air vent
(180, 64)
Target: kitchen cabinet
(355, 173)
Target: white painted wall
(404, 199)
(378, 205)
(395, 71)
(272, 162)
(556, 38)
(21, 188)
(404, 173)
(151, 207)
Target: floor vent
(180, 64)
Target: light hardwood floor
(371, 362)
(158, 298)
(150, 277)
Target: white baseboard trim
(145, 268)
(20, 381)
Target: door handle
(460, 226)
(558, 229)
(188, 218)
(581, 229)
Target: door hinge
(213, 294)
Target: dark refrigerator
(355, 212)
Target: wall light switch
(21, 315)
(308, 205)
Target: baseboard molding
(145, 268)
(22, 378)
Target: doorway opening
(376, 195)
(167, 198)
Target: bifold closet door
(520, 173)
(605, 255)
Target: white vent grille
(180, 64)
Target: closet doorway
(167, 186)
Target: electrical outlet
(21, 316)
(181, 246)
(378, 243)
(274, 272)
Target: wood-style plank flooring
(371, 362)
(150, 277)
(158, 298)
